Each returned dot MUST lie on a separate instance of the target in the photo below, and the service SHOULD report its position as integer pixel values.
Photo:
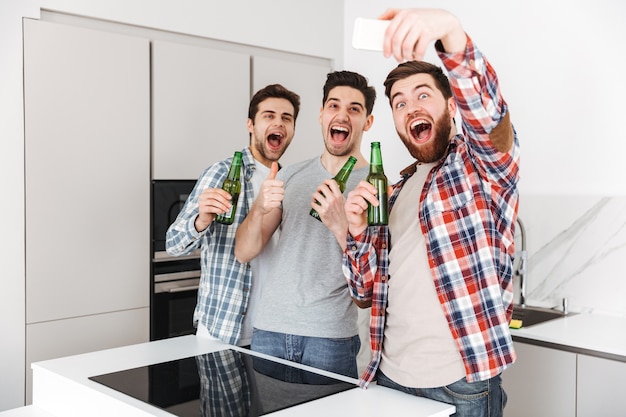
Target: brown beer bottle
(378, 215)
(341, 178)
(232, 185)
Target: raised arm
(262, 220)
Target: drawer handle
(181, 289)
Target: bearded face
(438, 134)
(422, 116)
(272, 129)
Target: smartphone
(369, 34)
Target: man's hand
(328, 201)
(411, 31)
(356, 207)
(271, 193)
(212, 201)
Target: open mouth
(339, 133)
(421, 131)
(275, 140)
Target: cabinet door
(306, 77)
(541, 383)
(200, 105)
(87, 157)
(600, 389)
(73, 336)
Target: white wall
(554, 59)
(313, 28)
(560, 64)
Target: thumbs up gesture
(273, 171)
(272, 192)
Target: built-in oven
(174, 280)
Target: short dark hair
(274, 91)
(354, 80)
(406, 69)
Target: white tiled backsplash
(576, 250)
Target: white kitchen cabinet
(87, 187)
(600, 390)
(306, 77)
(60, 338)
(93, 98)
(200, 103)
(201, 96)
(87, 117)
(541, 383)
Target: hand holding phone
(369, 34)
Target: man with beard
(306, 314)
(228, 293)
(439, 277)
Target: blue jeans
(333, 355)
(476, 399)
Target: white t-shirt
(418, 349)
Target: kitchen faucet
(520, 272)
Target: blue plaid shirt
(225, 384)
(225, 282)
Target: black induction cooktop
(226, 383)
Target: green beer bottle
(378, 215)
(341, 178)
(232, 185)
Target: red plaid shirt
(467, 213)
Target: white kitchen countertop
(61, 386)
(591, 334)
(28, 411)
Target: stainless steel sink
(534, 315)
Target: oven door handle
(163, 256)
(181, 289)
(176, 276)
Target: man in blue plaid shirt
(226, 294)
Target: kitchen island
(62, 387)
